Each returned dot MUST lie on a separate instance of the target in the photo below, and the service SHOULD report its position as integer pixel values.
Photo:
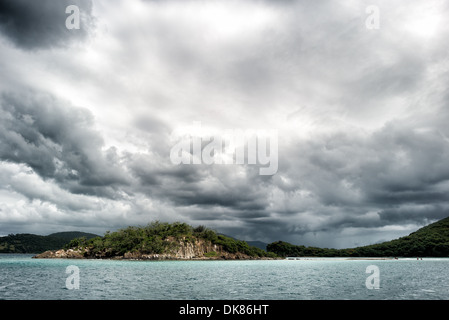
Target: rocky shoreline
(76, 254)
(82, 253)
(199, 250)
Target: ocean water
(24, 278)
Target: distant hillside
(258, 244)
(70, 235)
(158, 241)
(32, 243)
(253, 243)
(429, 241)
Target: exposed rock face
(183, 250)
(60, 254)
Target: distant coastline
(179, 241)
(339, 258)
(429, 241)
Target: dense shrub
(155, 238)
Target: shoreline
(121, 258)
(340, 258)
(137, 256)
(134, 259)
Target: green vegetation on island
(429, 241)
(31, 243)
(158, 238)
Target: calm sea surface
(327, 279)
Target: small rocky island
(159, 241)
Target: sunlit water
(22, 277)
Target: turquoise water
(328, 279)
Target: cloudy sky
(360, 105)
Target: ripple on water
(24, 278)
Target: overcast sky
(361, 111)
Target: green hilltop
(161, 238)
(32, 243)
(429, 241)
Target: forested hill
(157, 241)
(429, 241)
(32, 243)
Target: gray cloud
(361, 115)
(199, 185)
(42, 24)
(397, 174)
(57, 141)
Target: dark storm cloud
(420, 214)
(57, 141)
(198, 185)
(363, 146)
(395, 175)
(42, 24)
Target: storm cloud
(88, 117)
(58, 142)
(42, 24)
